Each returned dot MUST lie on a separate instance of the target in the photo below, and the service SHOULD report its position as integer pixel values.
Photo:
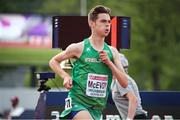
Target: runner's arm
(71, 51)
(116, 67)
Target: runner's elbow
(125, 84)
(52, 62)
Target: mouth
(107, 30)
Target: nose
(108, 23)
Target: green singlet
(91, 82)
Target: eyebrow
(104, 20)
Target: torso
(91, 77)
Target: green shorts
(95, 113)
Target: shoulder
(115, 55)
(75, 46)
(75, 49)
(114, 51)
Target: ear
(91, 23)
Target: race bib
(68, 103)
(96, 85)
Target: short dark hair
(93, 13)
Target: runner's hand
(104, 57)
(67, 82)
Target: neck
(97, 42)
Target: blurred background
(26, 38)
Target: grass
(30, 56)
(26, 56)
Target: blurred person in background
(1, 114)
(127, 100)
(16, 110)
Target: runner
(92, 71)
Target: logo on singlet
(94, 60)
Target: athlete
(96, 63)
(127, 100)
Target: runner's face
(102, 24)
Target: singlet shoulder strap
(86, 42)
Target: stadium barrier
(159, 104)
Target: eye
(103, 21)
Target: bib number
(68, 103)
